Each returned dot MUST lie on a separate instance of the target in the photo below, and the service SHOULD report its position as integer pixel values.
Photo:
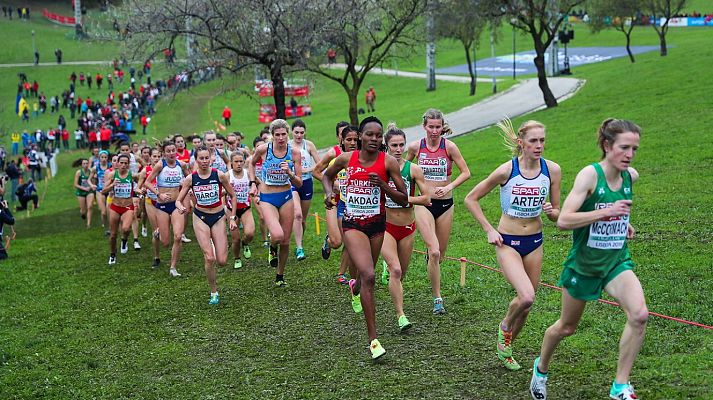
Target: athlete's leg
(427, 229)
(297, 226)
(114, 219)
(177, 222)
(89, 204)
(164, 227)
(570, 315)
(203, 236)
(627, 291)
(126, 220)
(334, 228)
(82, 206)
(305, 204)
(516, 272)
(248, 227)
(364, 263)
(235, 239)
(101, 202)
(286, 220)
(389, 251)
(151, 213)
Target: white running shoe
(538, 383)
(144, 231)
(184, 239)
(174, 273)
(112, 260)
(626, 394)
(137, 246)
(124, 247)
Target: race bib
(241, 191)
(207, 195)
(363, 201)
(609, 233)
(434, 169)
(392, 204)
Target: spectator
(79, 138)
(14, 174)
(331, 56)
(99, 79)
(144, 122)
(370, 100)
(227, 114)
(33, 161)
(37, 57)
(15, 138)
(293, 105)
(65, 138)
(6, 218)
(25, 193)
(82, 78)
(89, 81)
(58, 55)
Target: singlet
(83, 180)
(133, 164)
(410, 187)
(307, 161)
(184, 157)
(241, 186)
(208, 191)
(169, 177)
(436, 165)
(522, 197)
(363, 200)
(123, 187)
(272, 174)
(219, 163)
(599, 247)
(151, 195)
(100, 176)
(341, 176)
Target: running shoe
(238, 264)
(300, 254)
(404, 323)
(356, 299)
(137, 246)
(124, 247)
(266, 244)
(384, 273)
(247, 253)
(214, 298)
(504, 343)
(174, 273)
(509, 363)
(326, 248)
(280, 283)
(144, 231)
(342, 279)
(112, 259)
(272, 256)
(376, 349)
(625, 392)
(538, 383)
(107, 233)
(184, 239)
(156, 263)
(438, 306)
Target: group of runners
(370, 180)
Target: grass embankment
(72, 327)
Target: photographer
(6, 218)
(25, 193)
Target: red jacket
(227, 113)
(65, 134)
(105, 134)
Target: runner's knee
(367, 278)
(639, 317)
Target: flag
(21, 106)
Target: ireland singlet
(408, 180)
(599, 247)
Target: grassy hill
(74, 328)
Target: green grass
(72, 328)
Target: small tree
(664, 9)
(618, 12)
(364, 33)
(541, 19)
(465, 21)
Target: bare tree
(664, 9)
(465, 21)
(364, 33)
(618, 12)
(541, 19)
(230, 34)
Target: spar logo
(432, 161)
(526, 191)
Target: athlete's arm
(142, 180)
(464, 175)
(425, 198)
(631, 232)
(412, 150)
(296, 176)
(330, 173)
(399, 196)
(76, 181)
(185, 187)
(584, 184)
(321, 165)
(225, 181)
(259, 154)
(154, 173)
(108, 183)
(312, 152)
(552, 208)
(472, 200)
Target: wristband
(253, 183)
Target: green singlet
(83, 181)
(601, 247)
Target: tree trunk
(628, 47)
(278, 86)
(550, 99)
(471, 69)
(353, 112)
(662, 40)
(430, 46)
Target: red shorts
(121, 210)
(400, 232)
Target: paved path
(407, 74)
(54, 64)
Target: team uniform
(84, 182)
(169, 177)
(209, 194)
(241, 186)
(521, 197)
(365, 203)
(123, 189)
(397, 231)
(307, 189)
(437, 166)
(273, 175)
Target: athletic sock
(213, 294)
(540, 372)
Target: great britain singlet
(219, 163)
(437, 165)
(169, 177)
(522, 197)
(241, 186)
(307, 161)
(364, 201)
(410, 187)
(208, 191)
(599, 247)
(123, 187)
(272, 174)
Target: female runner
(364, 223)
(281, 167)
(525, 182)
(302, 196)
(149, 202)
(240, 181)
(168, 174)
(400, 221)
(121, 210)
(97, 175)
(436, 155)
(83, 188)
(597, 210)
(207, 184)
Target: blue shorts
(524, 245)
(277, 199)
(341, 208)
(208, 218)
(306, 190)
(168, 208)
